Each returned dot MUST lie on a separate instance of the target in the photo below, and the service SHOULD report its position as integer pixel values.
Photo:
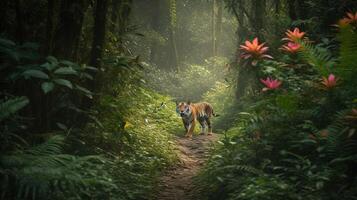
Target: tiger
(190, 112)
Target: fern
(42, 172)
(319, 58)
(339, 146)
(347, 67)
(11, 106)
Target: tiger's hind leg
(209, 124)
(202, 122)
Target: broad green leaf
(66, 62)
(85, 91)
(47, 87)
(63, 82)
(52, 59)
(49, 66)
(5, 42)
(88, 76)
(35, 73)
(11, 106)
(65, 70)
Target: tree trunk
(115, 15)
(69, 28)
(173, 35)
(214, 49)
(258, 13)
(20, 34)
(49, 26)
(100, 15)
(219, 24)
(291, 10)
(277, 6)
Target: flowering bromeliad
(330, 81)
(254, 50)
(349, 19)
(291, 47)
(294, 35)
(271, 84)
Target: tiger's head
(184, 109)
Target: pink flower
(330, 81)
(271, 84)
(291, 47)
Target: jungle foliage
(295, 138)
(88, 89)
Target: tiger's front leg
(191, 128)
(185, 124)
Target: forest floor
(177, 182)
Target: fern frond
(42, 172)
(319, 58)
(11, 106)
(347, 67)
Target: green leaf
(11, 106)
(52, 59)
(66, 62)
(85, 91)
(90, 68)
(8, 43)
(65, 70)
(63, 82)
(47, 87)
(35, 73)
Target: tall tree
(218, 25)
(173, 24)
(49, 25)
(67, 36)
(214, 8)
(100, 19)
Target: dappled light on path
(176, 183)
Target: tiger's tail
(214, 114)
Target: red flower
(254, 50)
(271, 84)
(329, 82)
(294, 36)
(291, 47)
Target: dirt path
(176, 183)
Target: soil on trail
(176, 183)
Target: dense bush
(295, 139)
(118, 154)
(189, 84)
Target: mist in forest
(195, 39)
(90, 92)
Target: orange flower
(294, 36)
(351, 18)
(329, 82)
(291, 47)
(254, 50)
(343, 23)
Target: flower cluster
(257, 51)
(293, 37)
